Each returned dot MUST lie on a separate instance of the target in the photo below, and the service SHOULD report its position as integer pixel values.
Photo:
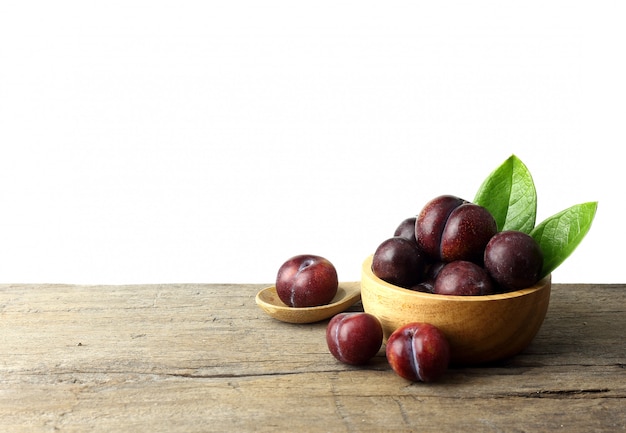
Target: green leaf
(559, 235)
(509, 194)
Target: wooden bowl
(480, 329)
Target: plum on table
(354, 338)
(418, 352)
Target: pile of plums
(416, 351)
(453, 247)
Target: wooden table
(195, 358)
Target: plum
(418, 352)
(463, 278)
(354, 338)
(406, 229)
(514, 260)
(467, 231)
(449, 228)
(306, 280)
(431, 221)
(398, 261)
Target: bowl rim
(367, 271)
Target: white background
(162, 142)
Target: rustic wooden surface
(196, 358)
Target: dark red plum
(306, 280)
(406, 229)
(449, 228)
(514, 260)
(431, 221)
(467, 231)
(463, 278)
(418, 352)
(354, 338)
(398, 261)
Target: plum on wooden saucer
(306, 280)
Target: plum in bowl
(480, 329)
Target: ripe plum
(418, 352)
(514, 260)
(431, 221)
(306, 280)
(398, 261)
(406, 229)
(354, 338)
(449, 228)
(463, 278)
(468, 229)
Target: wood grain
(199, 358)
